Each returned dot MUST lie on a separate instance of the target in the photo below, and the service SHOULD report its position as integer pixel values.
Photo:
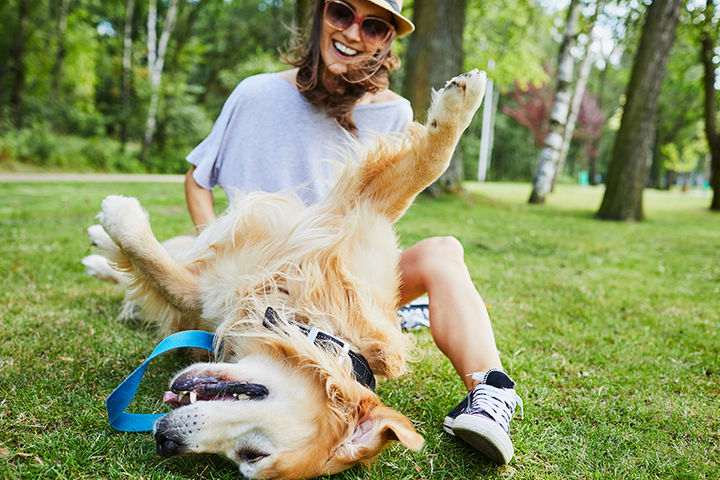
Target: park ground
(610, 330)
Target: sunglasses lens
(339, 15)
(375, 30)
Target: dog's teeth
(193, 397)
(242, 396)
(180, 396)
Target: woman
(274, 133)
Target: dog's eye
(251, 456)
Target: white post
(486, 132)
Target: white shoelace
(498, 403)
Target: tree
(708, 39)
(126, 70)
(18, 62)
(632, 151)
(683, 160)
(61, 49)
(550, 154)
(435, 54)
(156, 63)
(578, 95)
(531, 109)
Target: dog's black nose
(166, 446)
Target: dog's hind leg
(391, 175)
(162, 286)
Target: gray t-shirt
(269, 137)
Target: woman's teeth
(345, 50)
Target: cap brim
(403, 25)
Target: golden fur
(332, 265)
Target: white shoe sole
(485, 436)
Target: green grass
(610, 330)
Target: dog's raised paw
(457, 102)
(122, 216)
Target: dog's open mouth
(190, 389)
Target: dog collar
(119, 400)
(361, 368)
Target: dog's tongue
(170, 397)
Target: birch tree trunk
(575, 104)
(126, 71)
(435, 55)
(156, 62)
(711, 105)
(632, 152)
(550, 153)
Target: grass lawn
(610, 330)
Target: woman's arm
(200, 202)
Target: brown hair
(338, 94)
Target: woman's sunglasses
(341, 16)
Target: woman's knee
(439, 253)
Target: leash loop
(121, 397)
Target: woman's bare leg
(459, 321)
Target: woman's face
(340, 47)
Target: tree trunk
(18, 66)
(550, 153)
(575, 105)
(61, 49)
(711, 106)
(156, 59)
(434, 56)
(126, 72)
(632, 153)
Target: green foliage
(514, 153)
(610, 330)
(685, 160)
(217, 43)
(42, 147)
(508, 39)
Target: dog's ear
(374, 430)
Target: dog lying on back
(303, 301)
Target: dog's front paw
(122, 217)
(457, 102)
(99, 238)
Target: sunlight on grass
(576, 197)
(609, 328)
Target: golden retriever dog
(302, 301)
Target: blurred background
(134, 85)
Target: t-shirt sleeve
(207, 156)
(406, 115)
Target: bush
(41, 147)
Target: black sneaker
(482, 419)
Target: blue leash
(121, 397)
